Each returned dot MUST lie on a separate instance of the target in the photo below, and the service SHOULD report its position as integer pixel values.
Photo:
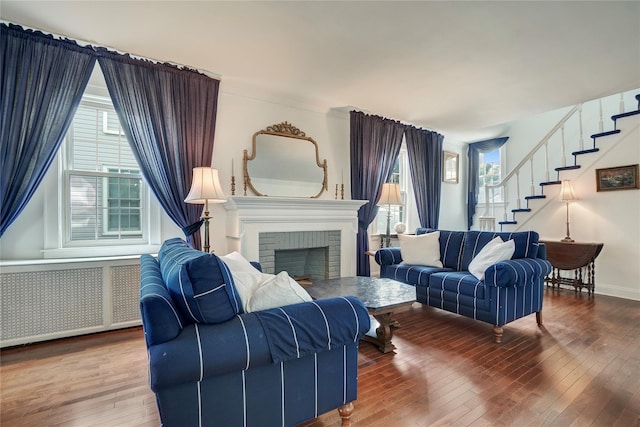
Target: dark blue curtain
(169, 117)
(375, 144)
(43, 80)
(475, 148)
(424, 149)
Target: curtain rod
(85, 43)
(362, 110)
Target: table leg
(384, 333)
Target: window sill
(100, 251)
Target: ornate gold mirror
(284, 162)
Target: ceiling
(456, 67)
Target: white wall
(453, 202)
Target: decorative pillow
(277, 291)
(423, 249)
(494, 251)
(526, 243)
(199, 283)
(246, 277)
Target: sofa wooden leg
(497, 334)
(539, 318)
(345, 412)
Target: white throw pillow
(246, 277)
(423, 249)
(494, 251)
(277, 291)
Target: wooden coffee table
(382, 297)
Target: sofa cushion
(421, 249)
(526, 244)
(457, 282)
(199, 283)
(246, 277)
(277, 291)
(416, 275)
(450, 246)
(494, 251)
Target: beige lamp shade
(205, 187)
(566, 191)
(390, 194)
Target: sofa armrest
(201, 351)
(516, 272)
(542, 251)
(298, 330)
(388, 256)
(160, 318)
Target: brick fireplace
(301, 253)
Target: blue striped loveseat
(510, 289)
(213, 365)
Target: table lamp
(390, 196)
(205, 188)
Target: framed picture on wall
(617, 178)
(450, 162)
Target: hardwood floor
(581, 369)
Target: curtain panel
(424, 149)
(43, 80)
(475, 148)
(374, 145)
(169, 117)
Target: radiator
(47, 300)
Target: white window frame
(409, 211)
(483, 204)
(105, 200)
(57, 243)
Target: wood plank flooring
(581, 369)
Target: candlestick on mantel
(233, 180)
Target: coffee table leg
(384, 333)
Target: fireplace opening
(305, 255)
(305, 265)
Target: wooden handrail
(538, 146)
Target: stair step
(521, 210)
(550, 183)
(538, 196)
(507, 222)
(590, 150)
(611, 132)
(567, 168)
(627, 114)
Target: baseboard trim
(617, 291)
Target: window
(104, 190)
(399, 175)
(490, 173)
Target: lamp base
(567, 240)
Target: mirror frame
(450, 160)
(286, 130)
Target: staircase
(552, 149)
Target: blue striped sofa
(510, 290)
(213, 365)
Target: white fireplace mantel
(248, 216)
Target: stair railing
(487, 220)
(489, 190)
